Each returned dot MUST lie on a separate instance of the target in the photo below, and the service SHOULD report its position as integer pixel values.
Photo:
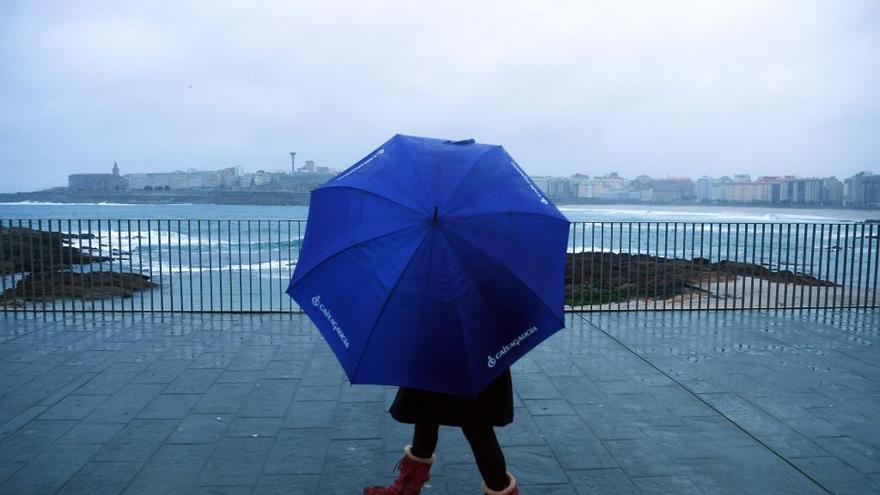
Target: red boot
(510, 490)
(413, 475)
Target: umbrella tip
(435, 214)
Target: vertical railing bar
(298, 244)
(100, 263)
(710, 299)
(813, 272)
(752, 279)
(189, 266)
(828, 276)
(269, 234)
(761, 264)
(610, 259)
(770, 283)
(82, 283)
(201, 271)
(619, 261)
(868, 268)
(210, 266)
(787, 260)
(260, 263)
(180, 265)
(583, 262)
(846, 298)
(876, 238)
(280, 269)
(691, 271)
(170, 269)
(601, 262)
(91, 272)
(569, 260)
(150, 261)
(770, 280)
(33, 271)
(250, 270)
(629, 268)
(592, 257)
(7, 233)
(794, 265)
(57, 289)
(220, 263)
(665, 261)
(836, 267)
(861, 263)
(736, 269)
(240, 271)
(656, 258)
(289, 263)
(140, 244)
(676, 290)
(61, 265)
(229, 244)
(119, 252)
(703, 275)
(130, 262)
(42, 262)
(804, 264)
(726, 259)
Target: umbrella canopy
(432, 264)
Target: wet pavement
(653, 402)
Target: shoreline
(290, 198)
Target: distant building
(226, 178)
(675, 189)
(832, 191)
(794, 190)
(97, 182)
(862, 190)
(607, 187)
(555, 188)
(763, 190)
(709, 189)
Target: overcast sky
(655, 87)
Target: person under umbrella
(434, 265)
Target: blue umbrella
(432, 264)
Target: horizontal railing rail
(87, 266)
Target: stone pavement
(665, 402)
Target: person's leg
(415, 466)
(488, 454)
(424, 440)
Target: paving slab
(639, 402)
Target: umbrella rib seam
(361, 243)
(467, 349)
(464, 177)
(385, 305)
(511, 272)
(374, 193)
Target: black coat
(494, 405)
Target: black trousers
(484, 445)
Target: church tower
(115, 169)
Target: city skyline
(780, 87)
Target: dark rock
(24, 249)
(46, 286)
(598, 278)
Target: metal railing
(243, 266)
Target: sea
(240, 258)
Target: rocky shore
(46, 259)
(599, 278)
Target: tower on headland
(293, 162)
(115, 169)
